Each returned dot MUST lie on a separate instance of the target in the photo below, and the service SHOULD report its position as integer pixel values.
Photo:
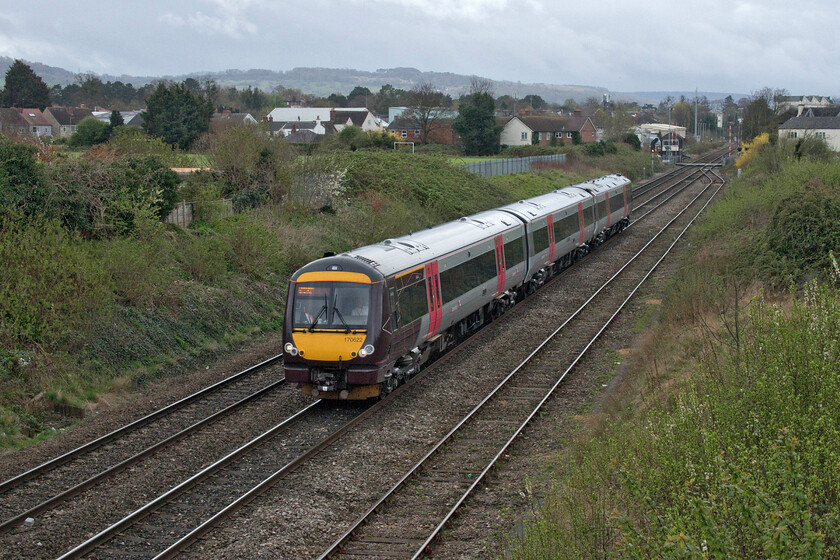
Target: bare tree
(424, 107)
(481, 85)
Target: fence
(186, 213)
(493, 167)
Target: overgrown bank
(724, 442)
(97, 295)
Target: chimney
(294, 127)
(577, 112)
(332, 115)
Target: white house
(826, 128)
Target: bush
(49, 283)
(22, 188)
(89, 132)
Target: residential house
(37, 123)
(285, 128)
(361, 117)
(65, 119)
(235, 119)
(547, 130)
(801, 103)
(12, 122)
(808, 125)
(408, 129)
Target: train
(359, 324)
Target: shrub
(49, 283)
(22, 188)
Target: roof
(288, 114)
(811, 123)
(68, 115)
(832, 111)
(10, 117)
(356, 117)
(401, 123)
(304, 137)
(554, 124)
(34, 117)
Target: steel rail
(119, 432)
(50, 503)
(436, 532)
(339, 543)
(187, 540)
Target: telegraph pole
(695, 114)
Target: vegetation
(98, 295)
(177, 115)
(24, 88)
(723, 441)
(476, 124)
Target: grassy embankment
(82, 316)
(724, 439)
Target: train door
(501, 269)
(435, 303)
(550, 226)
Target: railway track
(129, 534)
(410, 516)
(212, 488)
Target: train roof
(555, 201)
(404, 253)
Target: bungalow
(65, 119)
(285, 128)
(130, 118)
(524, 130)
(37, 123)
(807, 125)
(362, 118)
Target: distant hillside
(324, 81)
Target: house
(547, 130)
(65, 119)
(285, 128)
(12, 122)
(362, 118)
(808, 125)
(801, 103)
(408, 129)
(36, 122)
(234, 119)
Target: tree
(89, 132)
(177, 115)
(24, 88)
(359, 97)
(476, 123)
(535, 102)
(424, 106)
(22, 188)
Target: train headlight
(290, 349)
(366, 351)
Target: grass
(722, 441)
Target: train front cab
(334, 339)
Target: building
(12, 122)
(36, 122)
(808, 125)
(547, 130)
(285, 128)
(408, 129)
(64, 120)
(130, 118)
(801, 103)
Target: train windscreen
(331, 305)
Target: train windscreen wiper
(315, 320)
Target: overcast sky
(623, 45)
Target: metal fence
(493, 167)
(186, 213)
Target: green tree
(177, 115)
(476, 123)
(22, 188)
(89, 132)
(24, 88)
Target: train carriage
(360, 323)
(420, 293)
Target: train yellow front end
(335, 339)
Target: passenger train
(359, 324)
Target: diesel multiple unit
(360, 323)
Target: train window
(462, 278)
(514, 253)
(602, 209)
(564, 227)
(616, 201)
(413, 302)
(540, 239)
